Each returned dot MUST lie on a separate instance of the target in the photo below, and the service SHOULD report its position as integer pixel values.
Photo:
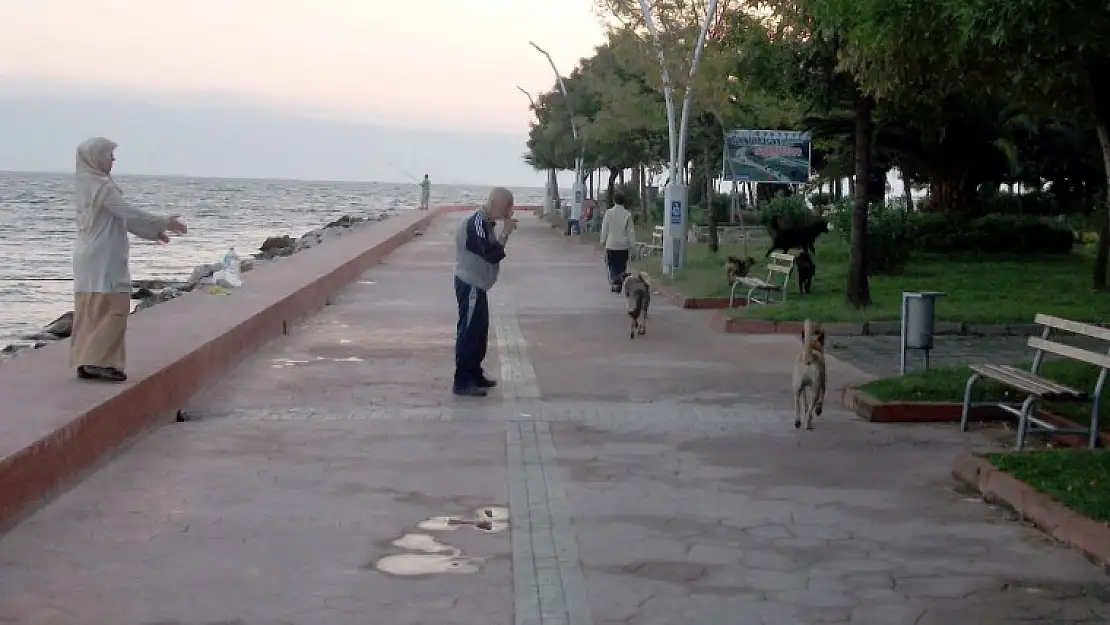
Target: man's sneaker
(487, 383)
(472, 391)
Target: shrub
(993, 234)
(995, 201)
(889, 235)
(791, 211)
(821, 201)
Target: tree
(1056, 57)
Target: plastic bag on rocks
(229, 276)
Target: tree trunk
(1103, 253)
(612, 186)
(711, 217)
(951, 194)
(859, 291)
(907, 191)
(638, 182)
(838, 189)
(553, 179)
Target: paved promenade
(648, 482)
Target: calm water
(37, 229)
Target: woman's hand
(177, 226)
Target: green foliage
(1010, 234)
(889, 235)
(791, 211)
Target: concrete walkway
(655, 481)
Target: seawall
(54, 428)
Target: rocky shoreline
(150, 293)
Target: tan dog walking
(809, 376)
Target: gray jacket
(478, 255)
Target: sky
(312, 89)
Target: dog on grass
(806, 270)
(802, 237)
(809, 376)
(637, 293)
(738, 268)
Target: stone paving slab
(650, 481)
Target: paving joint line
(549, 587)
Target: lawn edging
(1045, 512)
(877, 411)
(740, 325)
(677, 298)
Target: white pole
(579, 161)
(548, 192)
(674, 195)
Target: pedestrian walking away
(478, 256)
(618, 236)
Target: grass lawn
(1079, 479)
(978, 291)
(946, 384)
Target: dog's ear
(820, 337)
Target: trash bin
(918, 322)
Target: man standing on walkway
(618, 235)
(425, 192)
(478, 256)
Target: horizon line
(269, 179)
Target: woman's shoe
(104, 374)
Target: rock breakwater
(150, 293)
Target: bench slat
(758, 283)
(1027, 382)
(995, 372)
(785, 257)
(1052, 385)
(1073, 326)
(780, 269)
(1075, 353)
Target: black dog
(806, 270)
(801, 237)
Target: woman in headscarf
(101, 279)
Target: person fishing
(425, 192)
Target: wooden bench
(1039, 389)
(656, 245)
(779, 269)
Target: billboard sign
(780, 156)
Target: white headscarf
(93, 179)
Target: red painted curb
(1052, 517)
(734, 325)
(54, 428)
(877, 411)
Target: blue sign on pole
(676, 213)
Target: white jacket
(618, 232)
(101, 254)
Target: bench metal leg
(1027, 408)
(967, 401)
(1093, 441)
(732, 293)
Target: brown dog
(809, 376)
(637, 292)
(738, 268)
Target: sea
(37, 229)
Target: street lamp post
(548, 189)
(675, 207)
(579, 161)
